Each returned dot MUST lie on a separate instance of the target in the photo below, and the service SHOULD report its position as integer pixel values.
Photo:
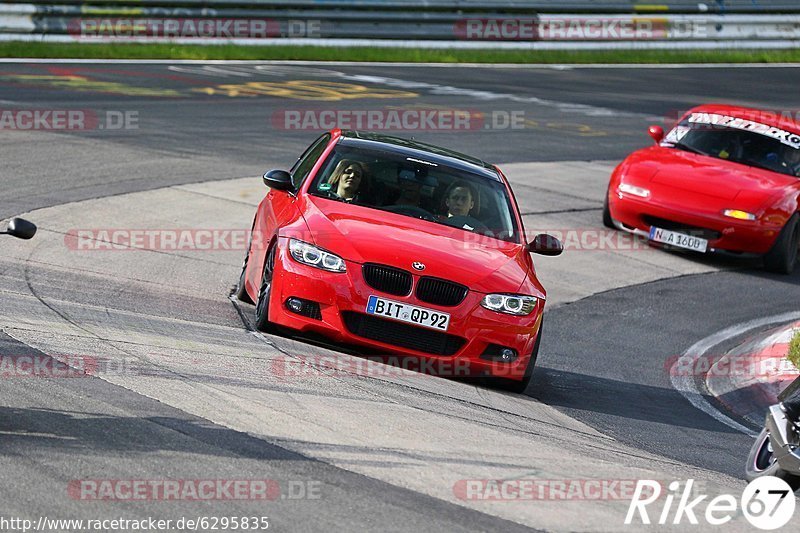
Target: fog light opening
(500, 354)
(295, 305)
(302, 307)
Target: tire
(782, 258)
(241, 292)
(607, 220)
(262, 322)
(520, 386)
(760, 463)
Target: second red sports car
(403, 248)
(724, 178)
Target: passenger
(347, 180)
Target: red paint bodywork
(694, 190)
(359, 234)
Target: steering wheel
(412, 211)
(459, 221)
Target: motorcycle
(20, 228)
(776, 451)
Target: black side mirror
(21, 228)
(278, 179)
(545, 244)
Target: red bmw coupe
(402, 248)
(724, 178)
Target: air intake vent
(387, 279)
(440, 292)
(402, 335)
(694, 231)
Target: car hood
(716, 178)
(365, 235)
(712, 184)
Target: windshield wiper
(687, 148)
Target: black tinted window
(432, 192)
(306, 162)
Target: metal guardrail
(434, 23)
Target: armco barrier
(433, 23)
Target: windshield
(738, 140)
(414, 187)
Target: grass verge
(414, 55)
(794, 349)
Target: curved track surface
(185, 391)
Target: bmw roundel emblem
(418, 266)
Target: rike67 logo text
(767, 503)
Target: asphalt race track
(184, 390)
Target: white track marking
(686, 385)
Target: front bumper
(342, 299)
(737, 236)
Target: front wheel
(783, 255)
(262, 322)
(241, 292)
(607, 220)
(522, 385)
(761, 462)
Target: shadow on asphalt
(572, 390)
(25, 430)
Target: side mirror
(656, 132)
(278, 179)
(545, 244)
(21, 228)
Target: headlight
(741, 215)
(632, 189)
(512, 304)
(308, 254)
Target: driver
(459, 199)
(791, 160)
